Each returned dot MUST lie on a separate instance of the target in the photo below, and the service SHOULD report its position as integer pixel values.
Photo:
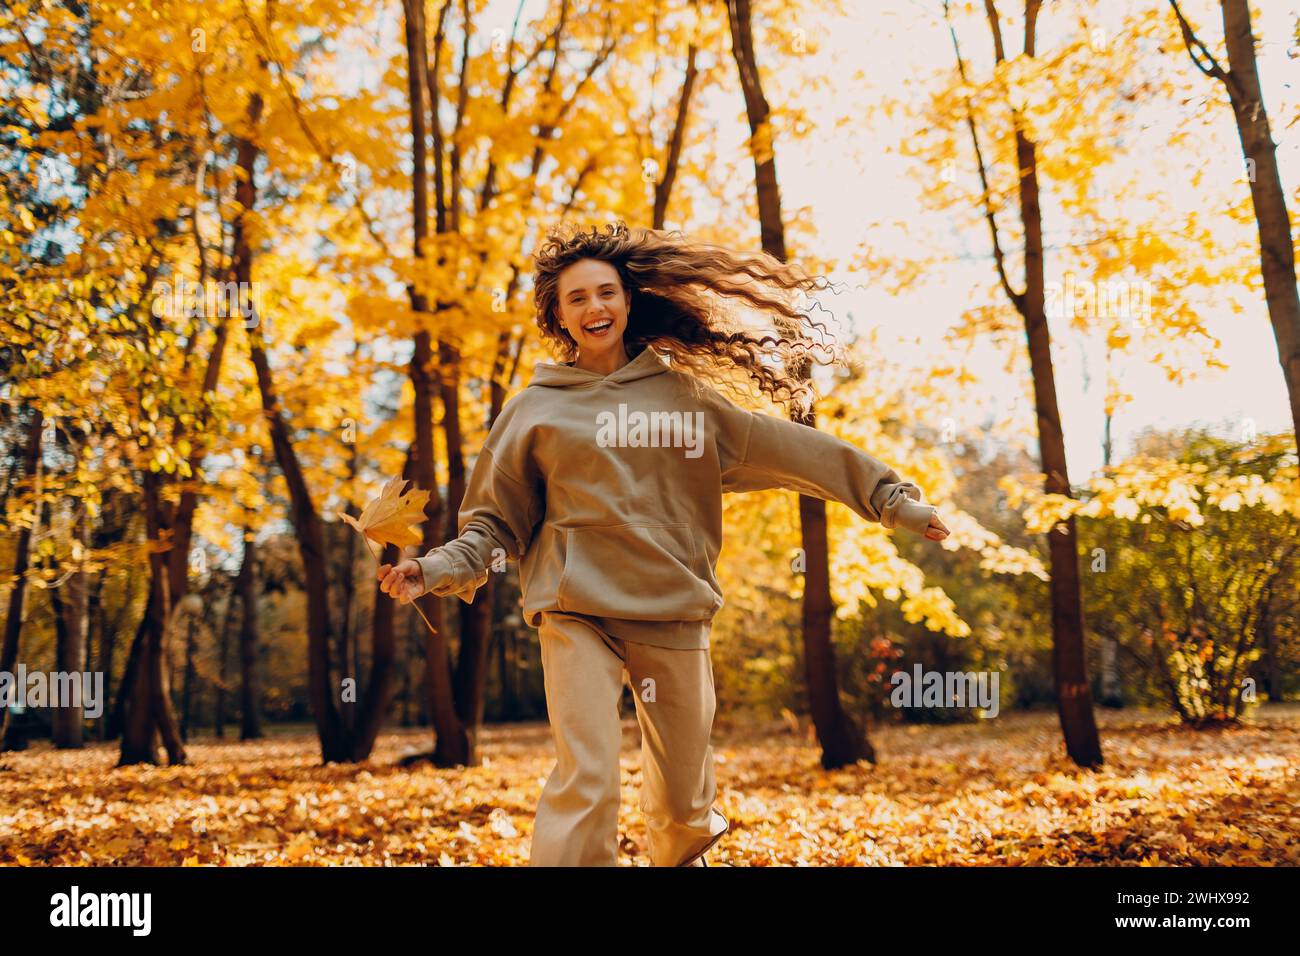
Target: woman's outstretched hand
(936, 531)
(405, 581)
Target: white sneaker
(697, 858)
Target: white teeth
(598, 326)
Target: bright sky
(846, 196)
(860, 181)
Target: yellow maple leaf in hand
(391, 518)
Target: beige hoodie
(608, 491)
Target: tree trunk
(79, 623)
(250, 696)
(452, 744)
(113, 527)
(349, 659)
(107, 644)
(664, 187)
(11, 737)
(843, 740)
(70, 625)
(117, 718)
(311, 548)
(475, 620)
(1276, 249)
(1111, 694)
(148, 704)
(1277, 252)
(96, 633)
(380, 686)
(407, 694)
(1069, 665)
(187, 687)
(223, 664)
(307, 525)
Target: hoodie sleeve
(496, 521)
(775, 452)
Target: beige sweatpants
(577, 815)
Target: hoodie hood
(555, 375)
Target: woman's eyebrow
(573, 292)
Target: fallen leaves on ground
(999, 792)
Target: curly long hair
(679, 305)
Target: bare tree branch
(999, 259)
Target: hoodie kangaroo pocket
(636, 571)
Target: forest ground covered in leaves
(996, 792)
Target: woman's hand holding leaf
(391, 519)
(404, 581)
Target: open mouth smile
(599, 327)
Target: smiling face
(593, 307)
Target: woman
(604, 479)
